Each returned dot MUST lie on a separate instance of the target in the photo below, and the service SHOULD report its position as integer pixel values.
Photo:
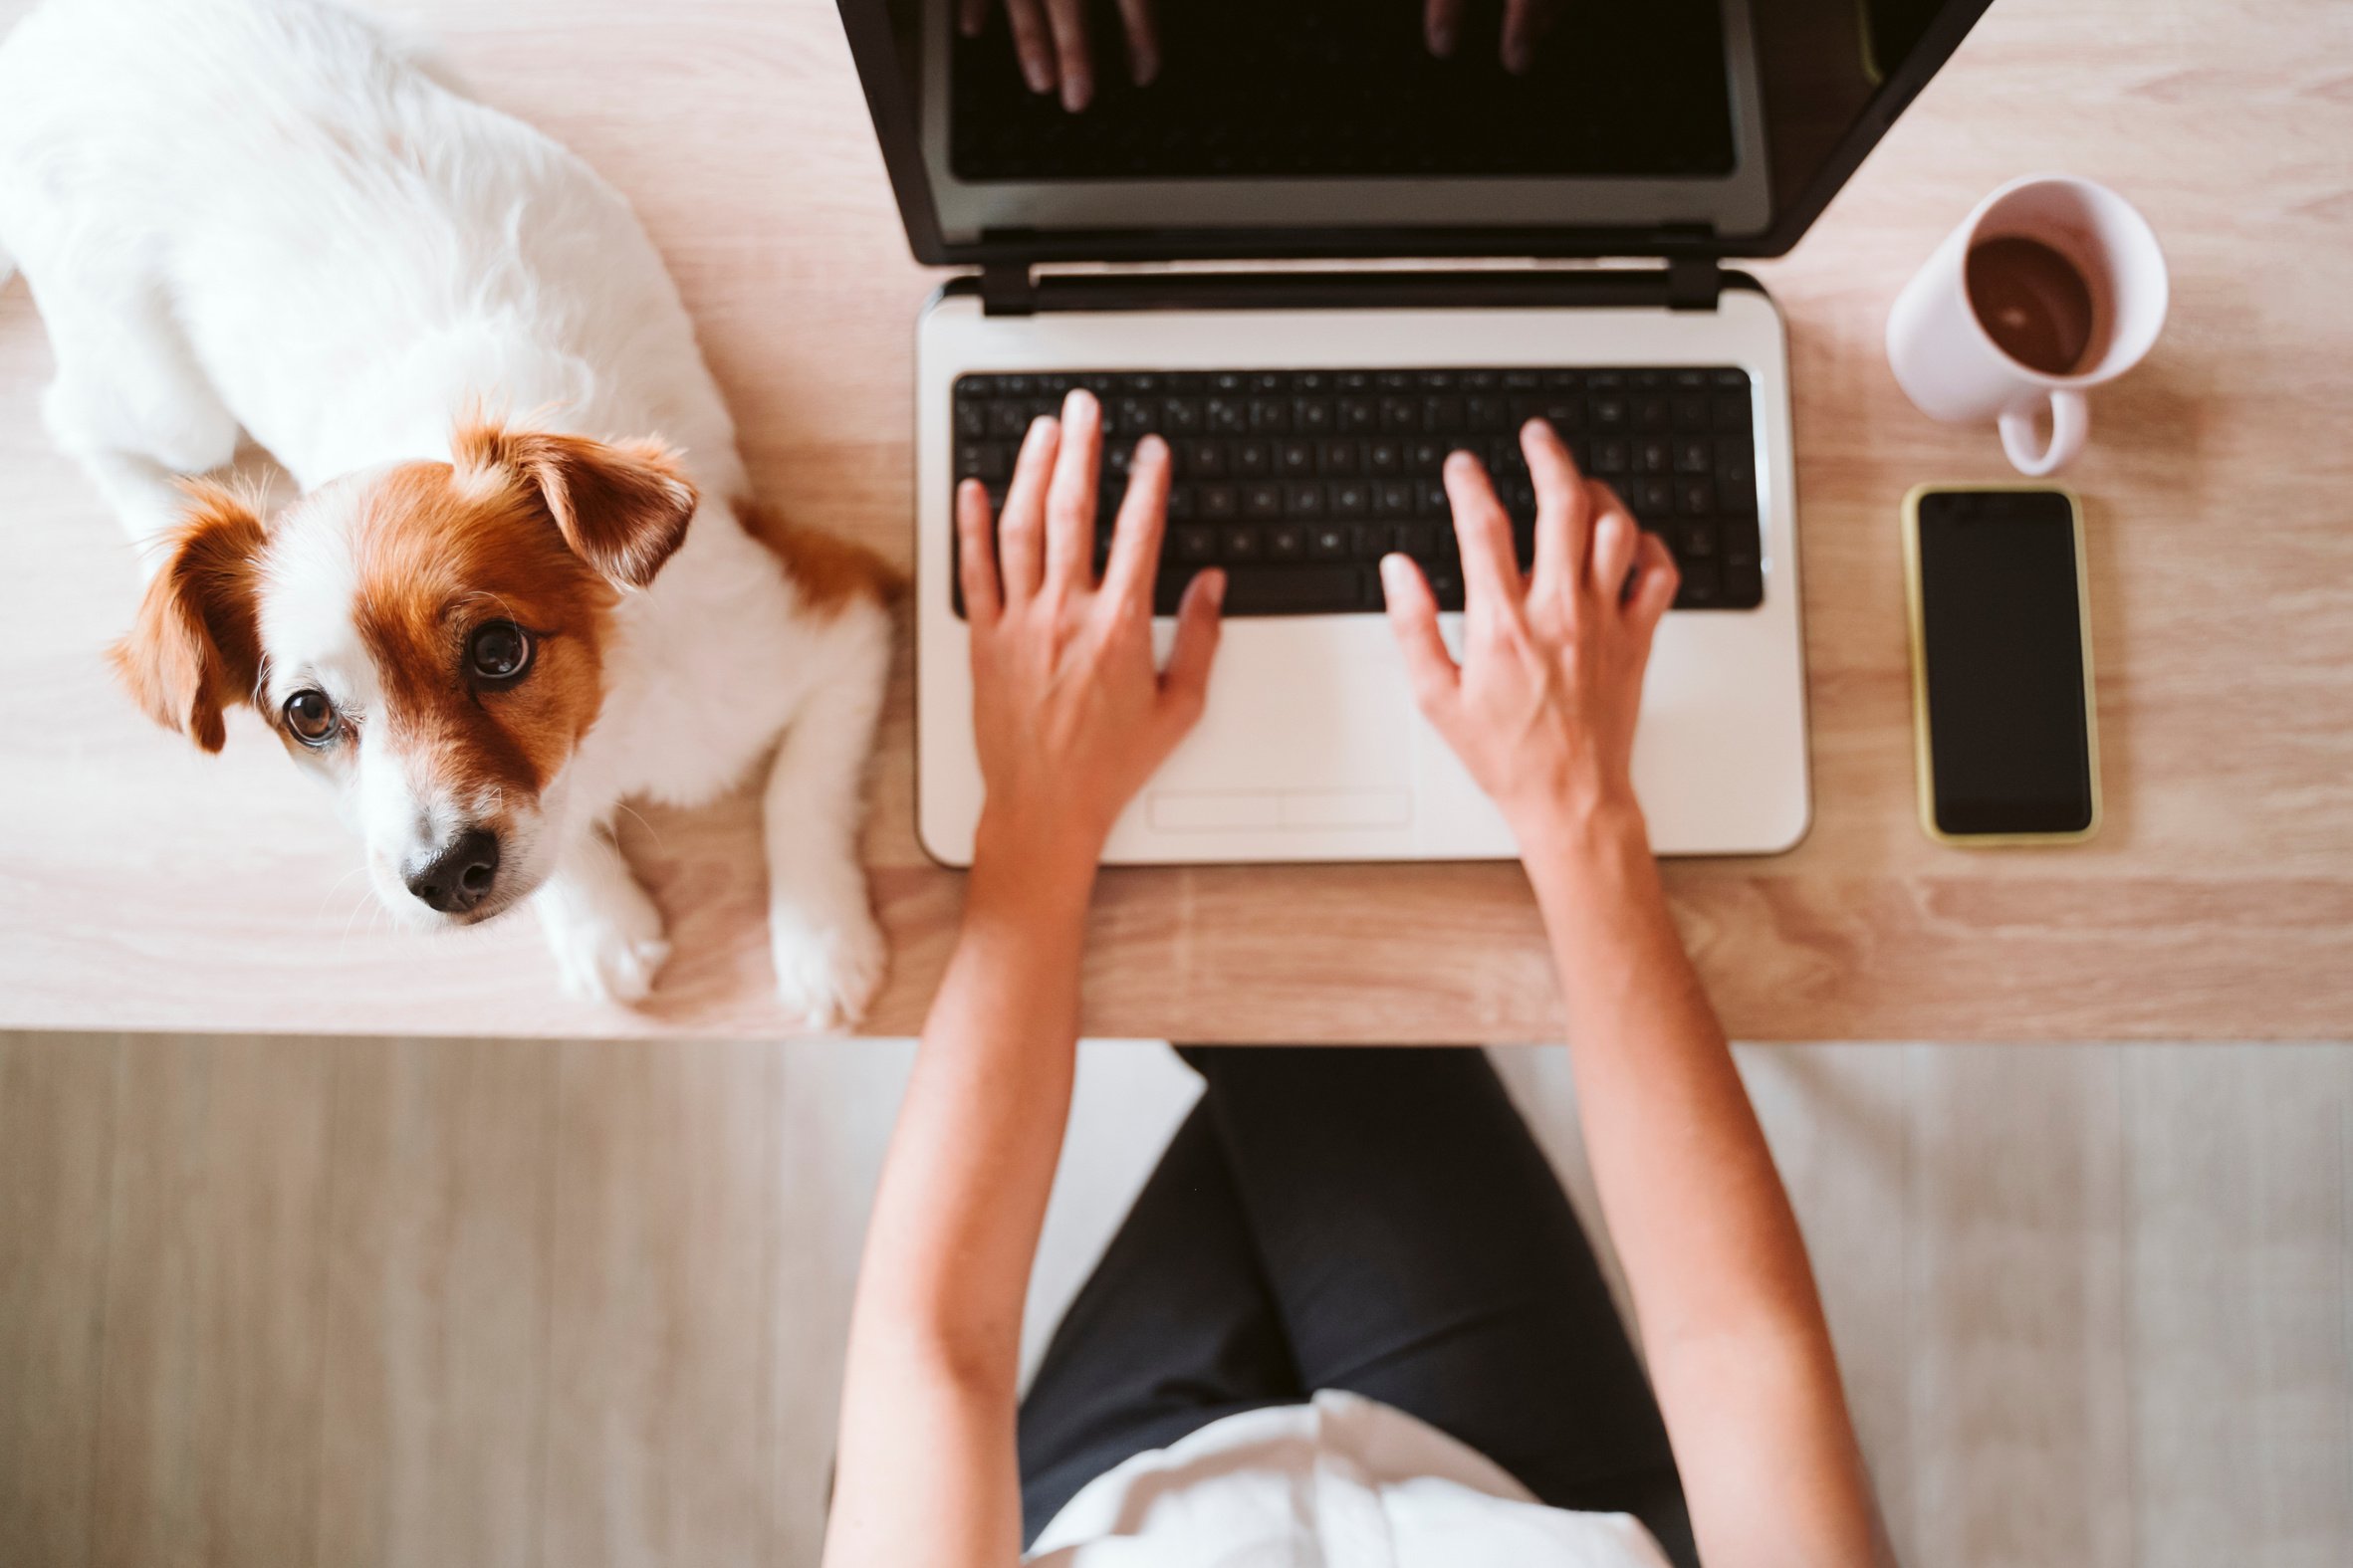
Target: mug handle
(2070, 424)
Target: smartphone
(2001, 688)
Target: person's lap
(1377, 1220)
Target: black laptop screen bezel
(867, 24)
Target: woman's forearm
(1731, 1324)
(1704, 1227)
(929, 1396)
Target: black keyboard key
(1690, 411)
(1220, 503)
(1612, 458)
(1653, 413)
(1202, 460)
(1375, 540)
(1695, 498)
(1732, 410)
(1695, 539)
(1653, 457)
(1317, 589)
(1195, 544)
(1303, 500)
(1653, 500)
(1606, 411)
(1262, 501)
(1241, 545)
(1270, 416)
(1694, 455)
(1179, 416)
(1287, 541)
(1359, 415)
(1295, 459)
(971, 419)
(1226, 416)
(1006, 421)
(1401, 414)
(1352, 498)
(1342, 457)
(1331, 542)
(1384, 457)
(1312, 416)
(1184, 504)
(1253, 459)
(1393, 497)
(1703, 584)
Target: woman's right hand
(1542, 706)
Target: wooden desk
(144, 885)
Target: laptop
(1318, 253)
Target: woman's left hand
(1069, 712)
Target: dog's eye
(311, 717)
(499, 653)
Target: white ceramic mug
(1948, 364)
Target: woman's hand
(1069, 712)
(1543, 708)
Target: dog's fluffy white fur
(269, 217)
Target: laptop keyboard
(1298, 481)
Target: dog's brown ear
(195, 648)
(622, 508)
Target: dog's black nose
(459, 875)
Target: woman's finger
(1033, 42)
(1562, 509)
(1143, 517)
(1524, 22)
(1490, 570)
(1616, 541)
(1413, 616)
(971, 17)
(1184, 685)
(1070, 497)
(976, 553)
(1655, 582)
(1071, 56)
(1143, 41)
(1021, 527)
(1442, 26)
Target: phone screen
(2001, 642)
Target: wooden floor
(444, 1303)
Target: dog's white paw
(608, 956)
(826, 974)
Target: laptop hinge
(1006, 290)
(1692, 283)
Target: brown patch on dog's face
(445, 566)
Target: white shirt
(1343, 1482)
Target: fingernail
(1516, 55)
(1079, 402)
(1151, 446)
(1393, 573)
(1037, 73)
(1442, 40)
(1213, 585)
(1075, 94)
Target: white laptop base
(1310, 749)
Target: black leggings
(1374, 1220)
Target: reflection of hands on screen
(1526, 22)
(1049, 39)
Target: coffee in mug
(2054, 285)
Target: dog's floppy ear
(195, 648)
(621, 507)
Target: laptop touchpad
(1308, 717)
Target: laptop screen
(1063, 129)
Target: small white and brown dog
(271, 219)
